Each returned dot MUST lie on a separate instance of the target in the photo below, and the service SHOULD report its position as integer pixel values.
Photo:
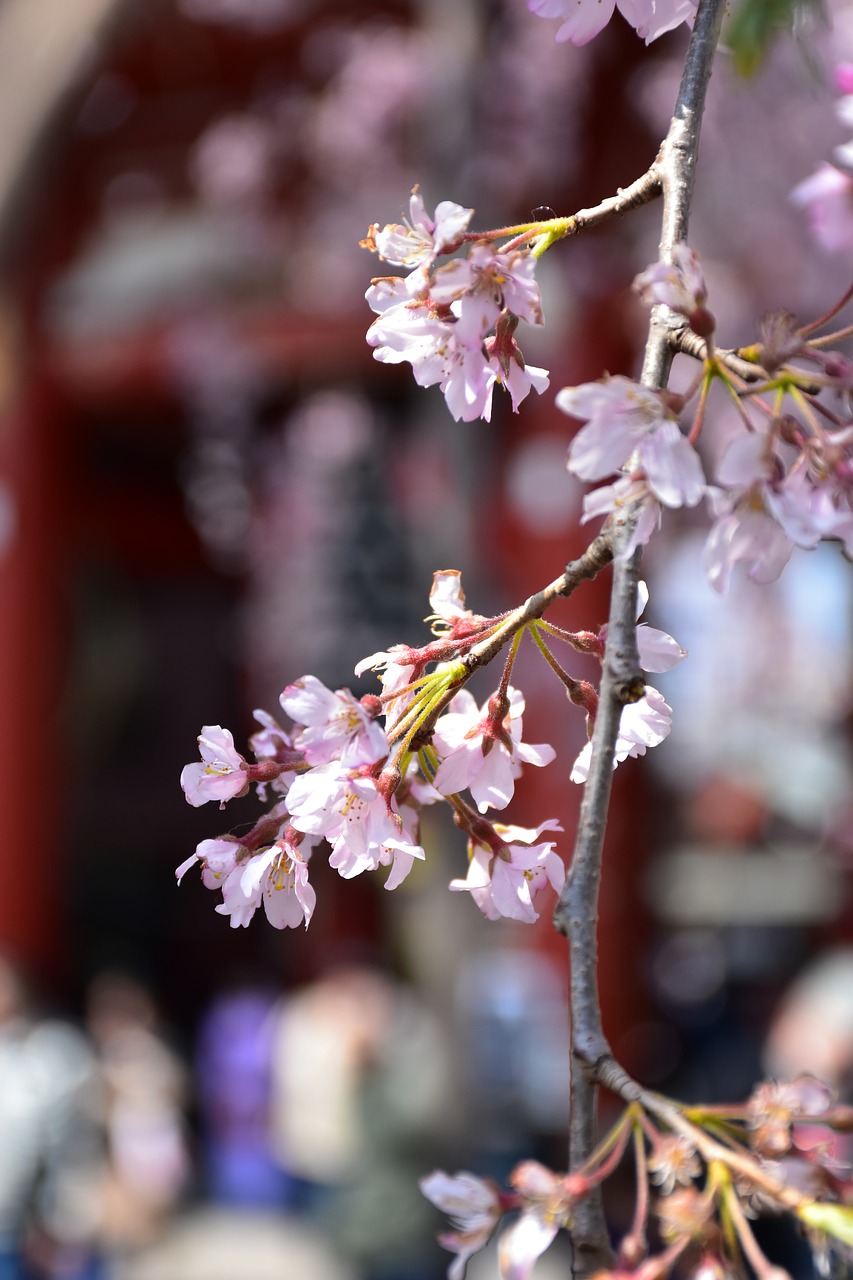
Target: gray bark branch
(577, 911)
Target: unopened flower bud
(789, 429)
(702, 321)
(372, 705)
(583, 694)
(632, 1250)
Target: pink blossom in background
(256, 15)
(233, 160)
(827, 197)
(744, 535)
(545, 1209)
(619, 413)
(744, 531)
(626, 422)
(626, 496)
(473, 1206)
(679, 284)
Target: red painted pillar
(33, 758)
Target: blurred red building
(179, 223)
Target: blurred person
(234, 1072)
(51, 1153)
(359, 1114)
(812, 1031)
(145, 1087)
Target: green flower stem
(555, 666)
(641, 1210)
(435, 687)
(748, 1243)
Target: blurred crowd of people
(94, 1146)
(324, 1105)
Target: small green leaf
(753, 27)
(835, 1219)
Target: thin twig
(598, 554)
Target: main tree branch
(622, 679)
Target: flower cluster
(454, 324)
(476, 1207)
(700, 1191)
(785, 480)
(827, 195)
(356, 773)
(342, 776)
(581, 20)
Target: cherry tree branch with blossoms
(353, 775)
(622, 677)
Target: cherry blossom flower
(744, 534)
(504, 280)
(810, 507)
(389, 844)
(439, 321)
(673, 1162)
(627, 422)
(627, 496)
(519, 378)
(474, 1207)
(337, 725)
(217, 858)
(546, 1207)
(409, 329)
(222, 774)
(764, 511)
(583, 19)
(774, 1106)
(504, 884)
(278, 878)
(468, 381)
(679, 284)
(444, 345)
(364, 829)
(643, 724)
(270, 742)
(447, 601)
(400, 666)
(420, 239)
(658, 651)
(744, 531)
(508, 364)
(481, 755)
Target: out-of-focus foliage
(756, 23)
